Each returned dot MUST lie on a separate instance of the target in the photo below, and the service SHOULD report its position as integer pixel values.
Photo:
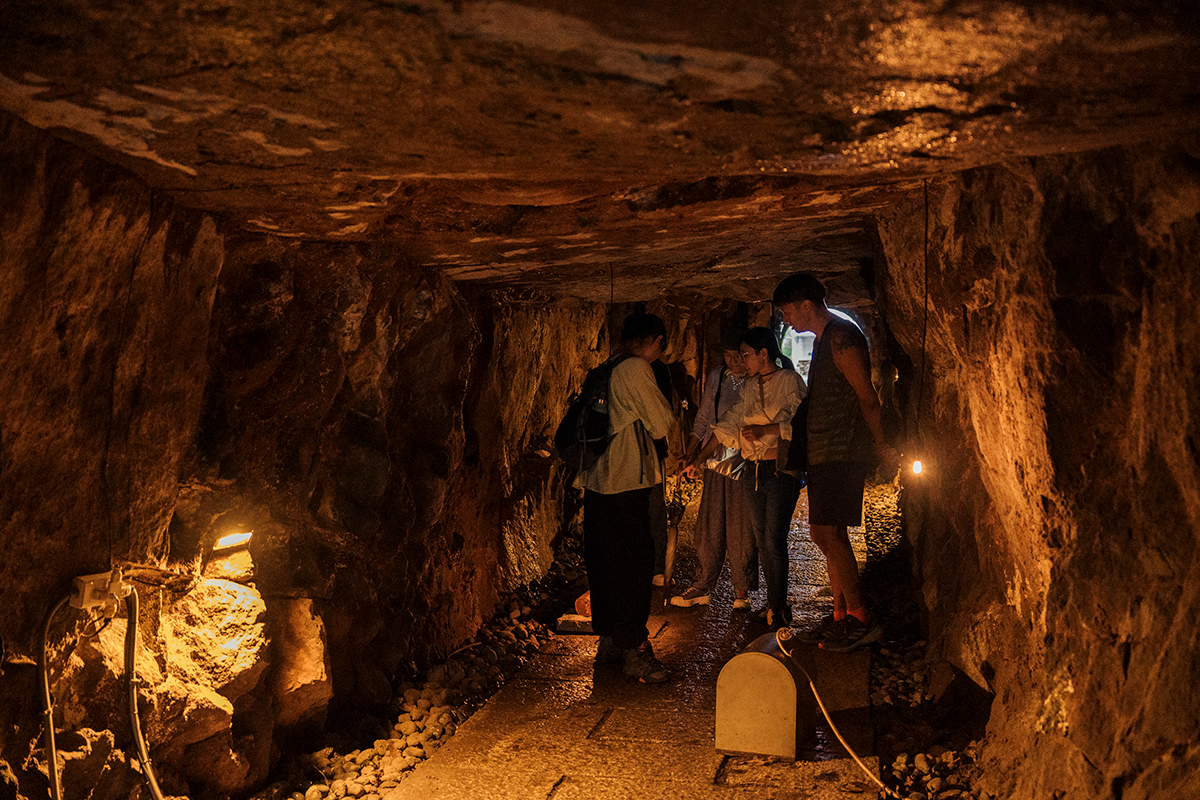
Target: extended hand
(889, 459)
(753, 432)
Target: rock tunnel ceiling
(552, 147)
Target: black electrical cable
(143, 753)
(124, 327)
(86, 634)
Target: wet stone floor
(565, 728)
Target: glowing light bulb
(916, 468)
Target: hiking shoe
(741, 600)
(779, 618)
(853, 635)
(692, 597)
(825, 629)
(641, 664)
(609, 653)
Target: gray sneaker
(641, 664)
(692, 597)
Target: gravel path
(929, 724)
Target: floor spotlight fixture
(917, 467)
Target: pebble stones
(898, 676)
(937, 775)
(430, 711)
(899, 679)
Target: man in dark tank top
(845, 442)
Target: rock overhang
(610, 150)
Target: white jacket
(764, 399)
(630, 461)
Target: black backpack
(582, 436)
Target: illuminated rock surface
(329, 272)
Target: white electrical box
(91, 591)
(101, 592)
(764, 704)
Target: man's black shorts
(835, 493)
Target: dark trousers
(771, 496)
(619, 555)
(658, 526)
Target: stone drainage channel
(926, 757)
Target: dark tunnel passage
(294, 297)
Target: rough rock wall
(105, 297)
(166, 380)
(105, 293)
(1056, 530)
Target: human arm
(731, 422)
(725, 432)
(754, 432)
(706, 452)
(851, 358)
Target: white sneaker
(659, 579)
(692, 597)
(741, 600)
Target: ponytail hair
(764, 339)
(641, 325)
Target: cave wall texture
(1056, 530)
(166, 380)
(377, 426)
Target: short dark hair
(640, 325)
(798, 287)
(765, 339)
(732, 340)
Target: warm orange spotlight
(232, 540)
(916, 468)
